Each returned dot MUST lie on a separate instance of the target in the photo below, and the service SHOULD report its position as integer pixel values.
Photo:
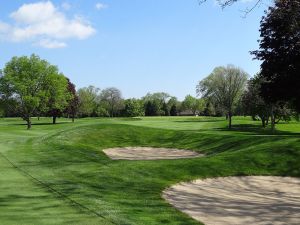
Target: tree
(224, 86)
(174, 106)
(113, 98)
(279, 51)
(88, 100)
(252, 102)
(73, 102)
(165, 109)
(208, 109)
(151, 108)
(59, 95)
(9, 106)
(173, 110)
(194, 104)
(133, 107)
(158, 105)
(159, 96)
(26, 80)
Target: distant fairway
(58, 174)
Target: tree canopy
(28, 81)
(73, 102)
(224, 86)
(59, 95)
(196, 105)
(279, 50)
(88, 100)
(112, 96)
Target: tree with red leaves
(73, 103)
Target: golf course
(59, 174)
(150, 112)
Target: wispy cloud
(100, 6)
(43, 24)
(48, 43)
(66, 6)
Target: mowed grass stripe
(60, 195)
(72, 162)
(24, 202)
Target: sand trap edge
(149, 153)
(278, 220)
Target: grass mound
(68, 158)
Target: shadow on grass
(130, 119)
(256, 129)
(40, 124)
(72, 163)
(195, 120)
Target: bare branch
(249, 10)
(226, 3)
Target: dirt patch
(148, 153)
(259, 200)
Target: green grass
(59, 174)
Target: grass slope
(60, 175)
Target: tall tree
(158, 102)
(252, 102)
(152, 108)
(26, 80)
(173, 110)
(165, 109)
(224, 86)
(113, 98)
(279, 51)
(59, 95)
(88, 100)
(73, 102)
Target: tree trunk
(54, 120)
(73, 118)
(38, 118)
(229, 120)
(28, 120)
(272, 119)
(112, 111)
(263, 121)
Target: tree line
(30, 86)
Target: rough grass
(61, 176)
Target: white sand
(148, 153)
(257, 200)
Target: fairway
(59, 174)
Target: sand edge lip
(149, 153)
(273, 200)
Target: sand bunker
(239, 200)
(147, 153)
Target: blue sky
(134, 45)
